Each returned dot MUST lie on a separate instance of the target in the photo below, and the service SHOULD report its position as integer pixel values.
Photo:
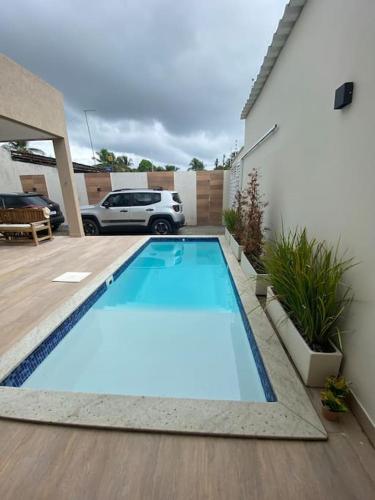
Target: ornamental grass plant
(230, 219)
(307, 278)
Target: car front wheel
(91, 227)
(161, 227)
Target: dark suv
(33, 200)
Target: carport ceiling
(14, 131)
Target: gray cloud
(168, 79)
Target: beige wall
(31, 109)
(29, 100)
(318, 168)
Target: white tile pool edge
(291, 417)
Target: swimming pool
(170, 324)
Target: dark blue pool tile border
(23, 371)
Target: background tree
(226, 163)
(22, 147)
(106, 158)
(123, 164)
(171, 168)
(196, 164)
(145, 166)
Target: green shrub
(306, 276)
(230, 219)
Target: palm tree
(117, 164)
(106, 157)
(123, 164)
(196, 164)
(21, 147)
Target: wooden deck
(54, 462)
(27, 294)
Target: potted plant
(230, 221)
(334, 397)
(235, 222)
(306, 300)
(252, 234)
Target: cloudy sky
(167, 78)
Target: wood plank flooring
(40, 462)
(27, 294)
(50, 462)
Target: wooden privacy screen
(97, 186)
(34, 183)
(203, 197)
(161, 179)
(210, 197)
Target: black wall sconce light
(98, 189)
(344, 95)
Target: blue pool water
(170, 325)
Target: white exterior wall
(10, 172)
(226, 189)
(318, 168)
(81, 189)
(186, 185)
(130, 180)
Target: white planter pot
(314, 367)
(261, 281)
(236, 248)
(227, 235)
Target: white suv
(156, 209)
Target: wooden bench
(25, 224)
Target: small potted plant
(334, 397)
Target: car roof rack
(156, 188)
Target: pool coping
(292, 416)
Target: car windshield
(45, 198)
(34, 201)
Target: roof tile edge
(292, 12)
